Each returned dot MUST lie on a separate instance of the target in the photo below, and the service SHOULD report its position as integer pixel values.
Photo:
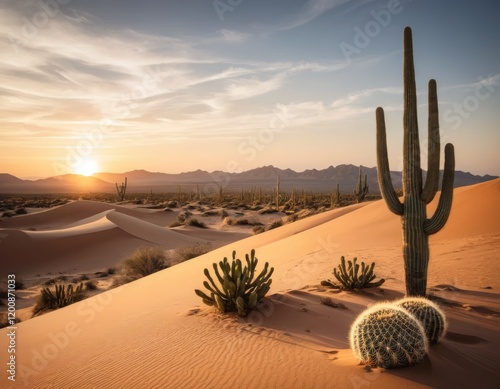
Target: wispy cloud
(240, 89)
(73, 73)
(232, 36)
(310, 11)
(490, 81)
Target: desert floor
(156, 333)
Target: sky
(179, 85)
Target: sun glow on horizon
(87, 167)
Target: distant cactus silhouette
(361, 188)
(416, 226)
(121, 189)
(428, 313)
(388, 336)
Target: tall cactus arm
(412, 174)
(438, 220)
(383, 171)
(433, 154)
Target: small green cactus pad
(428, 313)
(388, 336)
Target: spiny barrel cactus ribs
(388, 336)
(239, 290)
(428, 314)
(416, 226)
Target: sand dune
(90, 244)
(156, 333)
(76, 211)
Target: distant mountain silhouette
(262, 177)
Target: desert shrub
(143, 262)
(348, 276)
(111, 270)
(195, 223)
(19, 284)
(267, 210)
(90, 285)
(182, 254)
(258, 230)
(21, 211)
(120, 280)
(183, 216)
(50, 282)
(60, 296)
(329, 302)
(238, 291)
(5, 321)
(274, 224)
(223, 213)
(229, 221)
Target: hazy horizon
(178, 86)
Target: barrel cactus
(388, 336)
(428, 313)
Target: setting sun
(87, 167)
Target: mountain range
(142, 181)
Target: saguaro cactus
(121, 189)
(361, 188)
(416, 226)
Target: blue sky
(235, 84)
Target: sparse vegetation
(196, 223)
(361, 188)
(90, 285)
(238, 291)
(19, 284)
(121, 190)
(328, 301)
(258, 230)
(274, 224)
(4, 320)
(143, 262)
(60, 296)
(349, 278)
(182, 254)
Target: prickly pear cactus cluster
(239, 288)
(428, 313)
(388, 336)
